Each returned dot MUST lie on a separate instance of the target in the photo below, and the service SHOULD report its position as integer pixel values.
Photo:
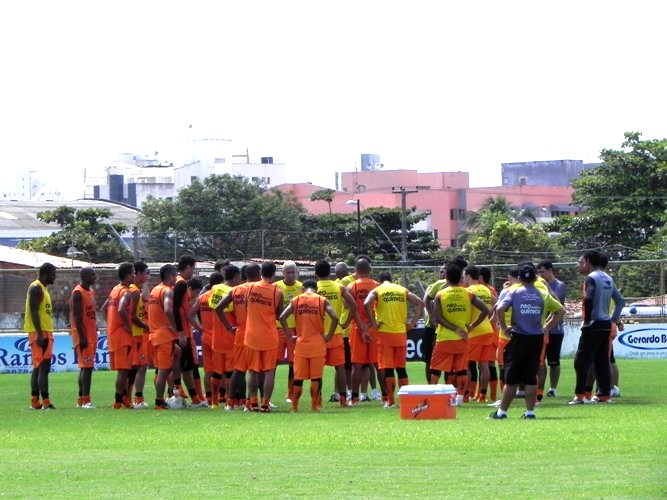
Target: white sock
(500, 412)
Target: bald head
(341, 270)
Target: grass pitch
(617, 450)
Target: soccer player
(485, 278)
(38, 324)
(188, 349)
(238, 296)
(264, 303)
(222, 340)
(545, 269)
(290, 287)
(428, 339)
(207, 317)
(308, 310)
(453, 313)
(83, 321)
(344, 277)
(119, 333)
(340, 299)
(527, 331)
(363, 340)
(481, 348)
(140, 336)
(593, 348)
(390, 319)
(163, 331)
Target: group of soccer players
(249, 322)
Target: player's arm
(483, 311)
(180, 289)
(351, 305)
(220, 310)
(135, 295)
(428, 301)
(168, 307)
(371, 298)
(283, 322)
(328, 309)
(619, 303)
(193, 314)
(557, 312)
(501, 307)
(35, 296)
(413, 299)
(125, 315)
(77, 314)
(278, 297)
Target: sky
(427, 85)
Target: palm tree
(497, 208)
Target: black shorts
(428, 341)
(553, 349)
(348, 353)
(187, 361)
(522, 359)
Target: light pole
(357, 202)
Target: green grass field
(617, 450)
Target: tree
(221, 216)
(494, 209)
(85, 230)
(623, 198)
(510, 242)
(324, 195)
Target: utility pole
(404, 220)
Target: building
(26, 187)
(446, 195)
(543, 173)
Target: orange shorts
(223, 362)
(86, 357)
(308, 368)
(261, 361)
(140, 351)
(163, 356)
(40, 354)
(285, 351)
(121, 358)
(392, 350)
(363, 353)
(450, 356)
(207, 356)
(240, 358)
(500, 352)
(481, 348)
(335, 355)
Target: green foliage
(510, 242)
(624, 198)
(85, 229)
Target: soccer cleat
(229, 408)
(178, 391)
(87, 406)
(141, 405)
(265, 409)
(375, 395)
(551, 393)
(364, 398)
(333, 398)
(601, 399)
(353, 402)
(495, 404)
(35, 404)
(272, 406)
(615, 392)
(118, 406)
(581, 401)
(388, 406)
(497, 416)
(199, 404)
(528, 416)
(48, 407)
(288, 400)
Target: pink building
(447, 195)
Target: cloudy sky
(431, 85)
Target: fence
(639, 281)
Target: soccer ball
(175, 403)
